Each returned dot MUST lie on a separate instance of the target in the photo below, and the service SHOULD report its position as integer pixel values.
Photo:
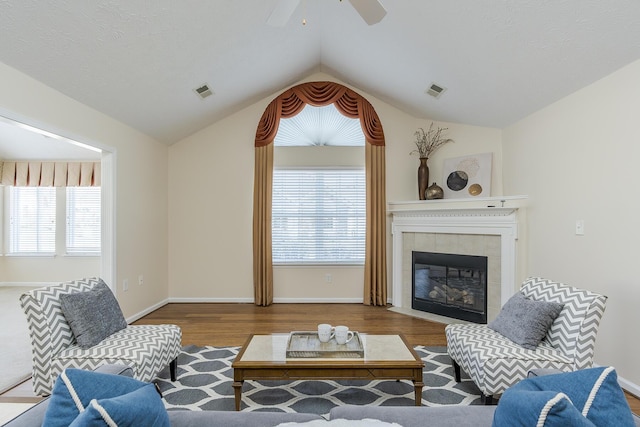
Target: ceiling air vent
(435, 90)
(203, 91)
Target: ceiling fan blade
(282, 12)
(372, 11)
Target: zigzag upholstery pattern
(495, 363)
(146, 348)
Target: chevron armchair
(147, 349)
(495, 363)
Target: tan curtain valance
(51, 174)
(319, 94)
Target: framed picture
(467, 176)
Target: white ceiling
(19, 142)
(139, 61)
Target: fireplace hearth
(450, 285)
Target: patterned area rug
(205, 377)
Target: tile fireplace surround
(490, 227)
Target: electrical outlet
(125, 285)
(328, 278)
(140, 280)
(579, 227)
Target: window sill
(83, 254)
(318, 264)
(31, 255)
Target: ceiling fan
(372, 11)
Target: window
(83, 220)
(32, 220)
(318, 216)
(37, 224)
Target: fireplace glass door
(450, 285)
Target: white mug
(343, 334)
(325, 332)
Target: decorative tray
(307, 344)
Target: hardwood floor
(231, 324)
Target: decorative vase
(434, 192)
(423, 178)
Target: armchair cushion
(84, 397)
(589, 397)
(92, 315)
(526, 321)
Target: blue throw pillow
(588, 397)
(74, 390)
(140, 408)
(524, 408)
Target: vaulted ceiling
(140, 61)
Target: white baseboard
(275, 300)
(318, 300)
(28, 284)
(210, 300)
(143, 313)
(629, 386)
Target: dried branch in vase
(428, 142)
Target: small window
(318, 216)
(83, 220)
(32, 220)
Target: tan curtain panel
(51, 174)
(352, 105)
(262, 256)
(375, 265)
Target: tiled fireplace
(486, 228)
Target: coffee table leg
(418, 391)
(237, 389)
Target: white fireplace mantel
(499, 216)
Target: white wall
(47, 269)
(578, 159)
(211, 204)
(141, 174)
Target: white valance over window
(51, 174)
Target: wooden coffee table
(385, 357)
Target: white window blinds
(318, 216)
(83, 220)
(32, 220)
